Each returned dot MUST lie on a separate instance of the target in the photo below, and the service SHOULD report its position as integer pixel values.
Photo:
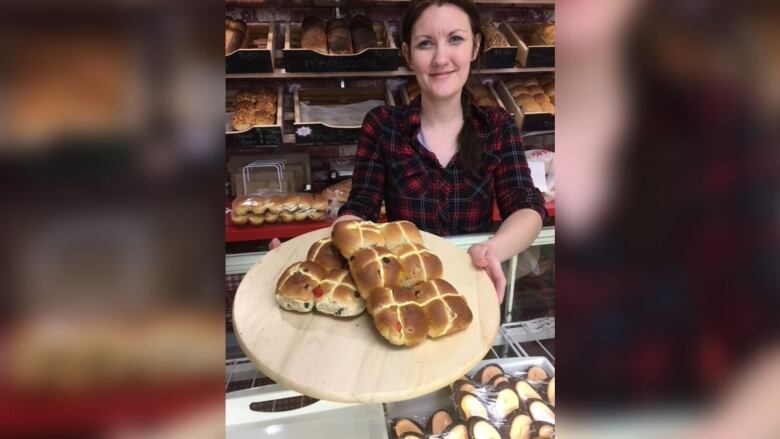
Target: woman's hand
(482, 256)
(274, 243)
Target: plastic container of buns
(278, 207)
(499, 402)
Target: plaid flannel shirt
(393, 165)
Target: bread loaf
(326, 254)
(237, 219)
(363, 35)
(373, 267)
(295, 290)
(339, 37)
(400, 232)
(544, 34)
(445, 309)
(397, 315)
(256, 220)
(349, 236)
(235, 34)
(338, 295)
(418, 263)
(313, 34)
(493, 37)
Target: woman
(441, 162)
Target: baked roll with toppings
(446, 310)
(295, 290)
(349, 236)
(373, 267)
(337, 295)
(326, 254)
(418, 263)
(397, 315)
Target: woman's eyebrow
(417, 37)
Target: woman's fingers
(274, 243)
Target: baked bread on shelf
(235, 34)
(313, 34)
(339, 37)
(295, 290)
(397, 315)
(363, 35)
(445, 309)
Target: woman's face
(441, 50)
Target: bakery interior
(311, 69)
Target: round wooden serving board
(345, 359)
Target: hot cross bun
(373, 267)
(295, 290)
(418, 263)
(338, 295)
(445, 309)
(349, 236)
(397, 315)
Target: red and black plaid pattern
(392, 165)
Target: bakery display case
(251, 125)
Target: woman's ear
(407, 55)
(477, 41)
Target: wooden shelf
(401, 72)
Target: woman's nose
(439, 56)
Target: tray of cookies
(365, 312)
(254, 117)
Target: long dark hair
(470, 156)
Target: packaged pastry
(272, 207)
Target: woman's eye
(456, 39)
(424, 44)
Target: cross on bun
(295, 290)
(400, 232)
(446, 310)
(397, 315)
(373, 267)
(338, 295)
(349, 236)
(418, 263)
(326, 254)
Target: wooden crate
(259, 135)
(501, 57)
(537, 121)
(323, 133)
(256, 54)
(381, 58)
(529, 55)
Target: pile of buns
(534, 94)
(254, 107)
(493, 37)
(384, 269)
(338, 37)
(235, 34)
(272, 208)
(482, 96)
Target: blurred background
(112, 251)
(111, 233)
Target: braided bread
(296, 286)
(397, 315)
(445, 309)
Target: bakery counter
(265, 232)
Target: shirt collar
(412, 117)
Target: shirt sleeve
(515, 189)
(368, 178)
